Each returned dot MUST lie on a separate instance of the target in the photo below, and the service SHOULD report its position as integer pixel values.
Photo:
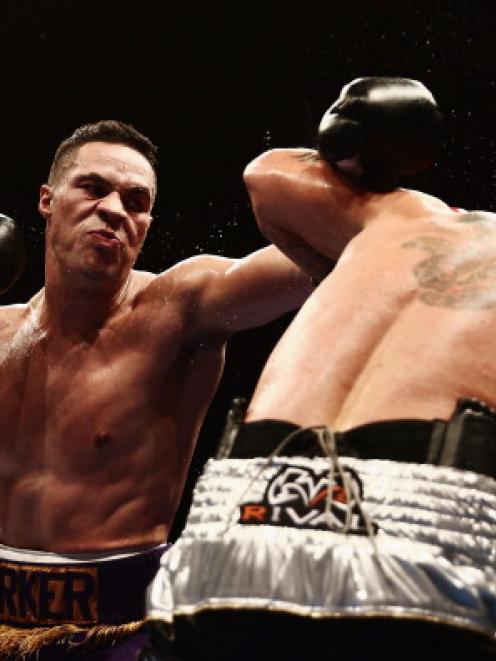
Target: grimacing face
(98, 211)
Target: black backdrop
(214, 84)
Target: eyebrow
(101, 180)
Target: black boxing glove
(380, 129)
(12, 253)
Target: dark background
(216, 83)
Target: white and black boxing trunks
(294, 554)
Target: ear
(45, 203)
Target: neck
(79, 308)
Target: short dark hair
(107, 130)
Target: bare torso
(402, 327)
(96, 434)
(107, 373)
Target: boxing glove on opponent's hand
(381, 129)
(12, 253)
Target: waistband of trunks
(467, 440)
(47, 589)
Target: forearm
(272, 280)
(309, 260)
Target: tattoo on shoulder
(309, 155)
(478, 217)
(454, 276)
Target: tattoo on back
(458, 276)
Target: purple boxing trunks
(54, 606)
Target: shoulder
(409, 202)
(295, 167)
(12, 316)
(180, 298)
(273, 159)
(298, 181)
(305, 167)
(186, 279)
(195, 270)
(201, 266)
(15, 311)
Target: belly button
(102, 438)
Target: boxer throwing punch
(107, 373)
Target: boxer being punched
(410, 302)
(107, 373)
(391, 357)
(403, 327)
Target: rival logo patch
(296, 497)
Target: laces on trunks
(327, 442)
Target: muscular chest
(51, 389)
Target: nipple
(102, 438)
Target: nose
(111, 209)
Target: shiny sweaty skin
(404, 324)
(107, 372)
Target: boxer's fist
(380, 129)
(12, 253)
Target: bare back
(402, 327)
(96, 435)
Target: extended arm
(235, 294)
